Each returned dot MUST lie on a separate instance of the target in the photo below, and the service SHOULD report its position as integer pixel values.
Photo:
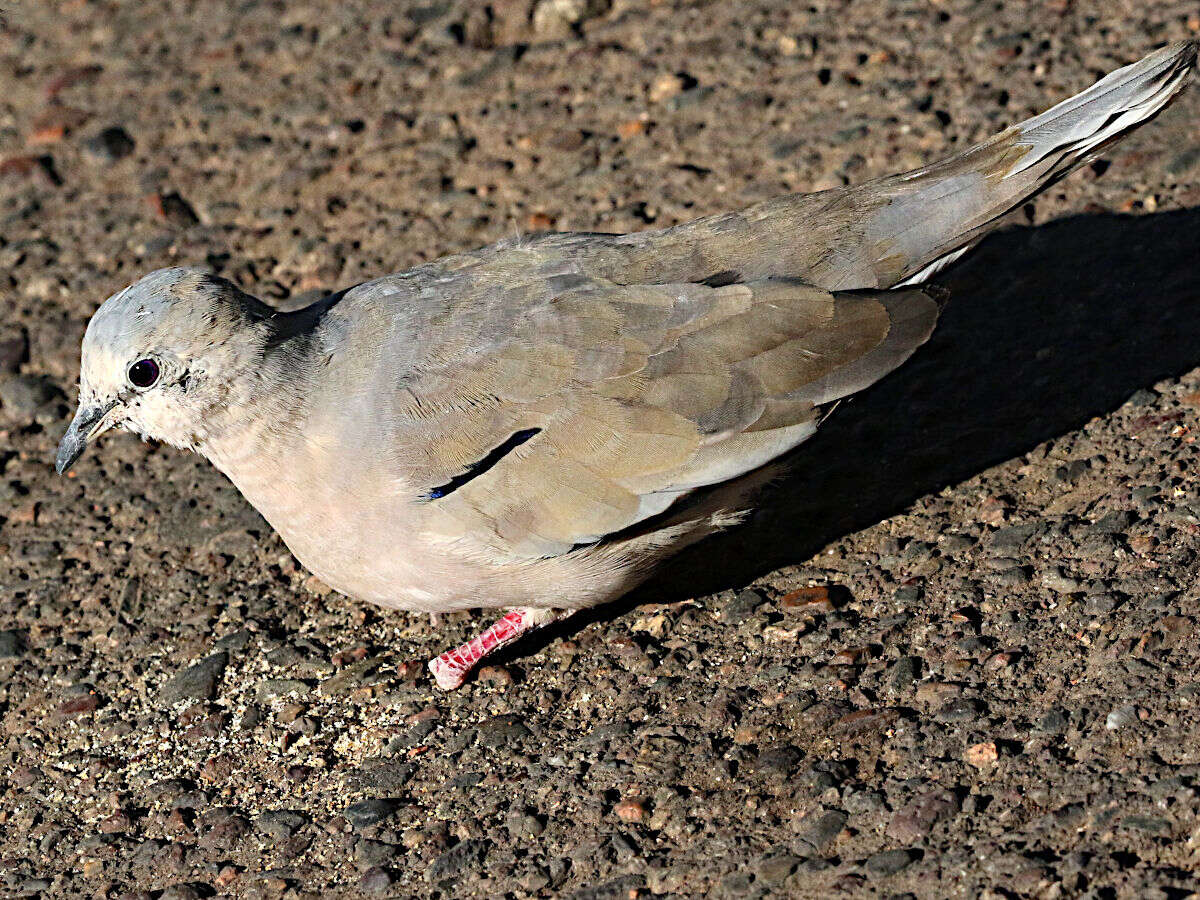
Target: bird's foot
(452, 667)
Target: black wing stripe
(478, 468)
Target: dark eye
(143, 373)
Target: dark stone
(624, 848)
(819, 828)
(370, 812)
(284, 656)
(456, 743)
(603, 734)
(375, 881)
(191, 800)
(735, 884)
(368, 853)
(1012, 537)
(12, 644)
(851, 134)
(825, 774)
(913, 821)
(1071, 815)
(502, 730)
(251, 717)
(777, 761)
(196, 682)
(864, 802)
(1146, 496)
(616, 889)
(457, 860)
(235, 640)
(1167, 787)
(742, 607)
(774, 867)
(386, 776)
(1053, 722)
(281, 824)
(1114, 523)
(1149, 824)
(905, 672)
(110, 145)
(222, 828)
(1073, 471)
(1185, 161)
(148, 853)
(23, 395)
(14, 350)
(464, 780)
(889, 862)
(956, 543)
(971, 645)
(178, 211)
(168, 789)
(959, 709)
(413, 737)
(154, 245)
(1100, 604)
(187, 891)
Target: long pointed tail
(901, 229)
(936, 213)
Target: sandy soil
(987, 690)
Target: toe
(447, 676)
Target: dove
(534, 425)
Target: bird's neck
(243, 432)
(259, 415)
(258, 436)
(261, 410)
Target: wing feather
(640, 394)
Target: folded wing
(604, 405)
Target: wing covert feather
(640, 393)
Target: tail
(933, 215)
(902, 229)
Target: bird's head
(161, 358)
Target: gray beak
(89, 423)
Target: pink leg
(451, 668)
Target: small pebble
(109, 145)
(1121, 717)
(630, 811)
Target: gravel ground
(951, 656)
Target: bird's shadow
(1046, 328)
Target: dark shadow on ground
(1046, 328)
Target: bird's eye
(143, 373)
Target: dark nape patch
(722, 278)
(301, 323)
(478, 468)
